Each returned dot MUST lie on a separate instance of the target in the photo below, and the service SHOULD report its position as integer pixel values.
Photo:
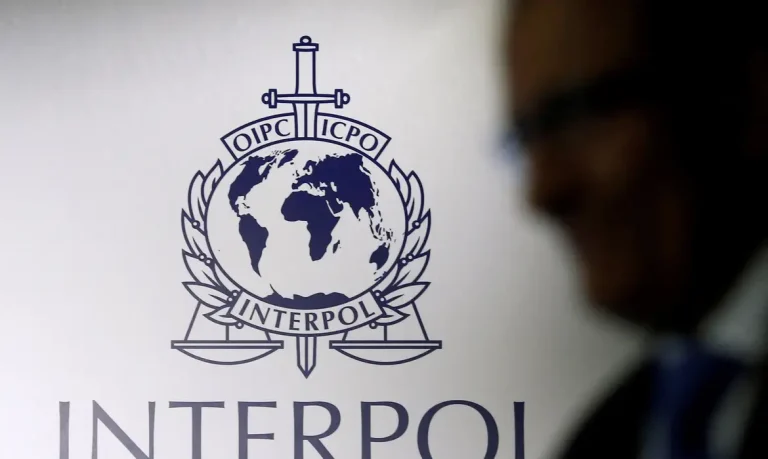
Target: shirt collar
(739, 326)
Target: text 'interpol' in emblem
(305, 234)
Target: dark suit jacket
(614, 429)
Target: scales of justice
(217, 335)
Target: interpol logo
(306, 234)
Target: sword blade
(306, 354)
(306, 120)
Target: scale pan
(227, 352)
(386, 352)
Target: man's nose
(552, 185)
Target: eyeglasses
(598, 98)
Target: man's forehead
(559, 44)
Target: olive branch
(211, 287)
(401, 286)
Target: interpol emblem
(306, 235)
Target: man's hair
(719, 37)
(704, 54)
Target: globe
(307, 226)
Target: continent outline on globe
(399, 287)
(257, 166)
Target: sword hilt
(272, 99)
(306, 90)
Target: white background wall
(108, 108)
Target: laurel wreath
(402, 286)
(213, 289)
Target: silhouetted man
(645, 124)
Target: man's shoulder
(613, 427)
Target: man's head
(646, 127)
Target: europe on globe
(307, 225)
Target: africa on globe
(306, 224)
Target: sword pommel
(305, 44)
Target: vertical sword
(305, 99)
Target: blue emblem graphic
(305, 235)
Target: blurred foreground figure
(645, 124)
